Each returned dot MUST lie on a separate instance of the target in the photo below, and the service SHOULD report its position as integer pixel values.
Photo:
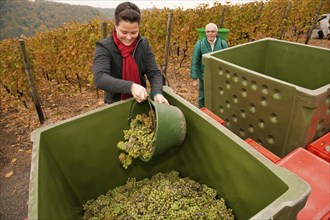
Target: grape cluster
(138, 140)
(164, 196)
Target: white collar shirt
(212, 43)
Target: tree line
(23, 17)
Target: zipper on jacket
(136, 46)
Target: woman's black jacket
(107, 69)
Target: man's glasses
(208, 32)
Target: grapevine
(138, 139)
(65, 55)
(163, 196)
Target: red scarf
(130, 71)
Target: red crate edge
(318, 147)
(212, 115)
(272, 157)
(326, 216)
(315, 171)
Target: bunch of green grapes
(164, 196)
(138, 140)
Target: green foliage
(163, 196)
(65, 54)
(23, 17)
(13, 79)
(138, 139)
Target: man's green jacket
(203, 46)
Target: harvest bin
(222, 33)
(275, 92)
(77, 160)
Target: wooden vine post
(222, 18)
(168, 40)
(256, 22)
(104, 29)
(285, 20)
(314, 22)
(260, 10)
(35, 95)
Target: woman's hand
(160, 99)
(139, 92)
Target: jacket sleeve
(196, 61)
(224, 44)
(102, 72)
(152, 71)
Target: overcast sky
(147, 4)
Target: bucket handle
(153, 112)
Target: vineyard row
(66, 54)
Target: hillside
(25, 17)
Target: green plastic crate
(275, 92)
(77, 160)
(222, 33)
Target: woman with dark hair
(124, 60)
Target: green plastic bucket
(222, 33)
(170, 124)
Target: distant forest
(23, 17)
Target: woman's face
(127, 32)
(211, 33)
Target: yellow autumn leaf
(9, 174)
(14, 160)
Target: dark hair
(128, 12)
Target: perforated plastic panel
(272, 91)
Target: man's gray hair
(211, 26)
